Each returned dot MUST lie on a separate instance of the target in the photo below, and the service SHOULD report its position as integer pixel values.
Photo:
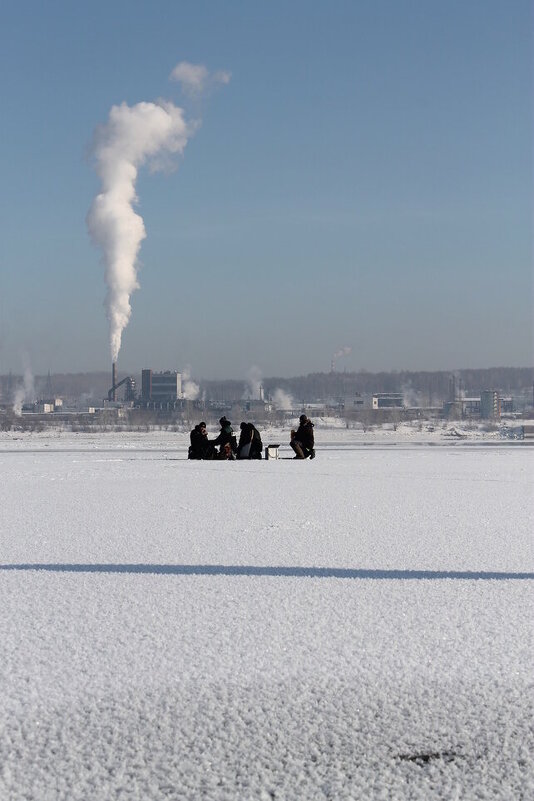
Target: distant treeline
(431, 387)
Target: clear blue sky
(365, 179)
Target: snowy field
(356, 627)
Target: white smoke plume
(190, 388)
(133, 136)
(25, 392)
(254, 388)
(195, 79)
(283, 400)
(346, 350)
(411, 398)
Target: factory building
(388, 400)
(352, 403)
(470, 407)
(490, 404)
(159, 388)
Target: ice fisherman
(201, 447)
(226, 437)
(250, 445)
(302, 440)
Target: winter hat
(303, 418)
(223, 421)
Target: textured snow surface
(356, 627)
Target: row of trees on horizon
(431, 387)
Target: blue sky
(364, 180)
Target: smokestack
(113, 380)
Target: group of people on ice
(249, 446)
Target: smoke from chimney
(344, 351)
(190, 388)
(25, 392)
(132, 137)
(283, 400)
(254, 386)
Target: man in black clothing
(302, 440)
(201, 447)
(226, 437)
(250, 445)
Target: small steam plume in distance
(410, 396)
(190, 388)
(283, 400)
(25, 392)
(253, 389)
(133, 136)
(346, 350)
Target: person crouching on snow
(226, 437)
(302, 440)
(201, 447)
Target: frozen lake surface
(355, 627)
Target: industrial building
(388, 400)
(351, 403)
(490, 404)
(160, 389)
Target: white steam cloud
(133, 136)
(410, 396)
(283, 400)
(346, 350)
(190, 388)
(254, 388)
(25, 392)
(195, 79)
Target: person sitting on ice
(250, 445)
(302, 440)
(201, 447)
(226, 452)
(226, 437)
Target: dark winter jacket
(250, 434)
(201, 447)
(304, 435)
(226, 436)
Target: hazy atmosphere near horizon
(311, 176)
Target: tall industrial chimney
(113, 380)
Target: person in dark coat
(302, 440)
(201, 447)
(226, 437)
(250, 445)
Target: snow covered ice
(356, 627)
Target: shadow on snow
(275, 571)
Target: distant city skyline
(361, 185)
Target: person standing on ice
(226, 437)
(302, 440)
